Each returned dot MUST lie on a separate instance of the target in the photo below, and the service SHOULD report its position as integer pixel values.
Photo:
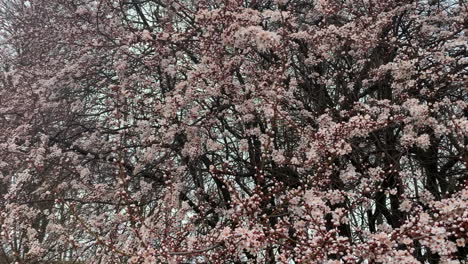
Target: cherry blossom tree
(253, 131)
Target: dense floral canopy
(233, 131)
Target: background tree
(233, 131)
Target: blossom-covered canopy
(233, 131)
